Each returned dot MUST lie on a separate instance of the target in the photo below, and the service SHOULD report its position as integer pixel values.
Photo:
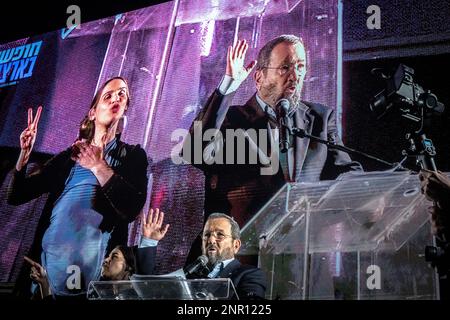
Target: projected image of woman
(96, 187)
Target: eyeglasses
(300, 68)
(217, 234)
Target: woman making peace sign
(96, 187)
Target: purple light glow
(171, 70)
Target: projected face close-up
(284, 76)
(112, 103)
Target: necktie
(270, 113)
(287, 158)
(216, 271)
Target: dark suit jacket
(239, 189)
(145, 259)
(249, 281)
(119, 200)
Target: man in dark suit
(220, 243)
(236, 183)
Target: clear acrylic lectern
(359, 237)
(156, 288)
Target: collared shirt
(218, 268)
(228, 85)
(266, 107)
(147, 242)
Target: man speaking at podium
(220, 243)
(240, 188)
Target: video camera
(405, 95)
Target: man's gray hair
(266, 50)
(235, 230)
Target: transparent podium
(362, 236)
(162, 288)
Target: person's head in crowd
(221, 238)
(281, 69)
(436, 187)
(107, 108)
(119, 265)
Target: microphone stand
(332, 145)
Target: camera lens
(378, 104)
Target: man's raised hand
(235, 62)
(152, 226)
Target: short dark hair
(264, 54)
(235, 230)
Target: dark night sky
(25, 18)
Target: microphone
(196, 266)
(282, 108)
